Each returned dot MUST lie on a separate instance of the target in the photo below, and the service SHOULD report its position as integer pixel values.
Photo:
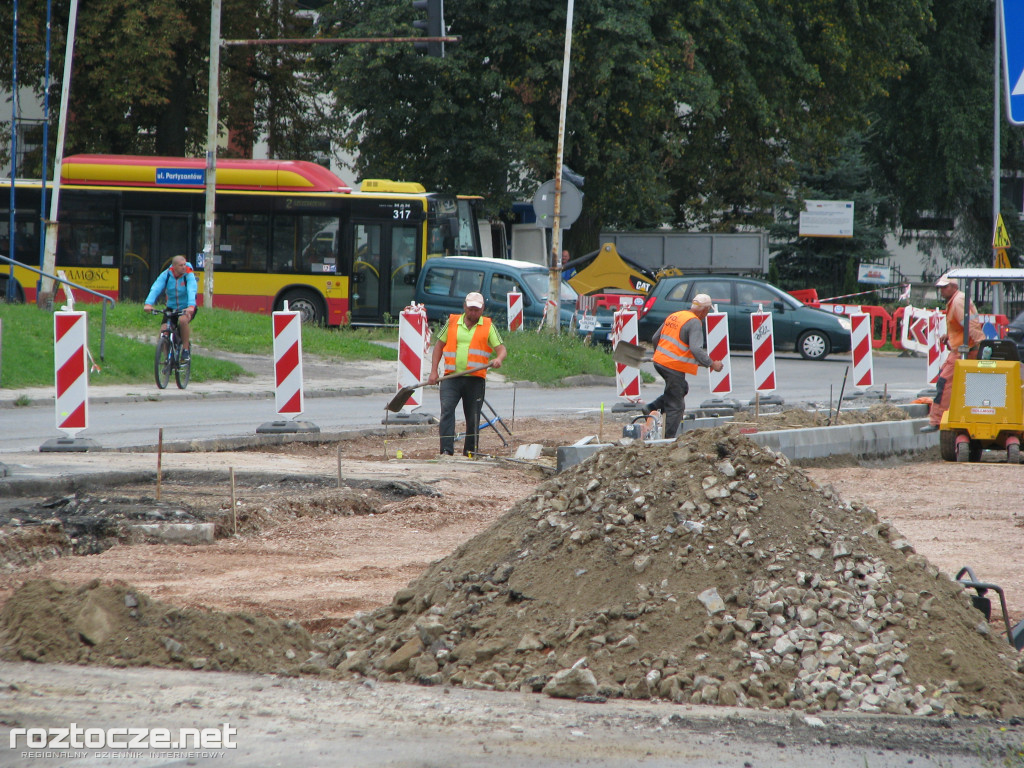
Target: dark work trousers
(671, 402)
(470, 390)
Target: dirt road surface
(316, 554)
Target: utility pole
(555, 275)
(211, 153)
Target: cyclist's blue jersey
(181, 292)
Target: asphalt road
(353, 399)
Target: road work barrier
(762, 337)
(719, 382)
(514, 310)
(627, 378)
(70, 371)
(863, 363)
(413, 340)
(288, 363)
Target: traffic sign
(1000, 238)
(569, 209)
(1013, 58)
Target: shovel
(405, 393)
(629, 354)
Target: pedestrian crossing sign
(1001, 238)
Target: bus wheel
(18, 297)
(307, 303)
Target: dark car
(798, 328)
(444, 282)
(1015, 333)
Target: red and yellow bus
(285, 231)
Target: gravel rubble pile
(709, 571)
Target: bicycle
(168, 351)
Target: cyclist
(179, 283)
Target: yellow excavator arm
(606, 269)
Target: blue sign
(187, 177)
(1013, 58)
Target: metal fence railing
(76, 286)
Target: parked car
(444, 282)
(813, 333)
(1015, 333)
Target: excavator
(607, 271)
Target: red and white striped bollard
(762, 335)
(514, 304)
(413, 336)
(627, 378)
(69, 365)
(860, 340)
(288, 363)
(719, 382)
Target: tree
(830, 264)
(932, 138)
(140, 73)
(678, 112)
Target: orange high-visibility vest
(672, 352)
(479, 349)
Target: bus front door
(150, 241)
(383, 271)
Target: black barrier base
(407, 418)
(286, 427)
(768, 400)
(73, 444)
(625, 407)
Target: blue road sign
(1013, 58)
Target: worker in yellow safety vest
(679, 350)
(466, 341)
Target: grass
(26, 347)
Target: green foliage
(826, 263)
(547, 359)
(128, 348)
(139, 84)
(130, 335)
(683, 113)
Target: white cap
(701, 300)
(943, 281)
(474, 299)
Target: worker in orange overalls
(679, 350)
(466, 341)
(953, 339)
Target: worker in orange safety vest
(679, 350)
(465, 342)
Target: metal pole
(997, 293)
(555, 274)
(44, 172)
(211, 153)
(14, 149)
(45, 295)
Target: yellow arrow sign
(1001, 238)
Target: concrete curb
(874, 439)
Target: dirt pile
(49, 621)
(707, 571)
(797, 418)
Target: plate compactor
(986, 409)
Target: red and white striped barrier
(514, 302)
(288, 362)
(937, 352)
(69, 365)
(720, 382)
(863, 360)
(627, 378)
(762, 336)
(413, 338)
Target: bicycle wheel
(183, 372)
(162, 363)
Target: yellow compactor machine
(986, 408)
